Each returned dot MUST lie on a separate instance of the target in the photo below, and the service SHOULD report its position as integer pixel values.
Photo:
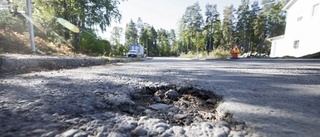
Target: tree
(8, 21)
(82, 13)
(191, 23)
(243, 32)
(228, 27)
(131, 33)
(260, 28)
(139, 26)
(143, 38)
(163, 42)
(183, 38)
(254, 39)
(148, 38)
(212, 18)
(90, 44)
(275, 17)
(269, 22)
(172, 40)
(199, 41)
(217, 34)
(245, 35)
(116, 34)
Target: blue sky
(161, 13)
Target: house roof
(289, 5)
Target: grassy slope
(315, 55)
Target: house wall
(303, 25)
(277, 48)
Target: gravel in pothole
(151, 111)
(178, 106)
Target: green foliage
(131, 33)
(91, 45)
(119, 50)
(275, 18)
(212, 20)
(152, 42)
(190, 26)
(217, 35)
(243, 31)
(9, 21)
(139, 26)
(149, 39)
(249, 29)
(116, 35)
(247, 25)
(86, 14)
(163, 43)
(217, 53)
(228, 27)
(190, 54)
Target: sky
(161, 13)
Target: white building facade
(302, 33)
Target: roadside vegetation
(50, 36)
(211, 36)
(249, 26)
(315, 55)
(215, 54)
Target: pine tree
(131, 33)
(192, 23)
(212, 17)
(228, 27)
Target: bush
(217, 53)
(90, 44)
(190, 54)
(10, 22)
(119, 50)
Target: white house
(302, 33)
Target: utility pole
(31, 31)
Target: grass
(309, 56)
(219, 53)
(315, 55)
(215, 54)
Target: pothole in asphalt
(176, 105)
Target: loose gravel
(109, 101)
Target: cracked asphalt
(273, 97)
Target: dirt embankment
(18, 43)
(16, 55)
(19, 63)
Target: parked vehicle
(132, 53)
(139, 50)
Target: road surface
(273, 97)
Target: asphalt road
(273, 97)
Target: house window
(315, 10)
(300, 16)
(296, 44)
